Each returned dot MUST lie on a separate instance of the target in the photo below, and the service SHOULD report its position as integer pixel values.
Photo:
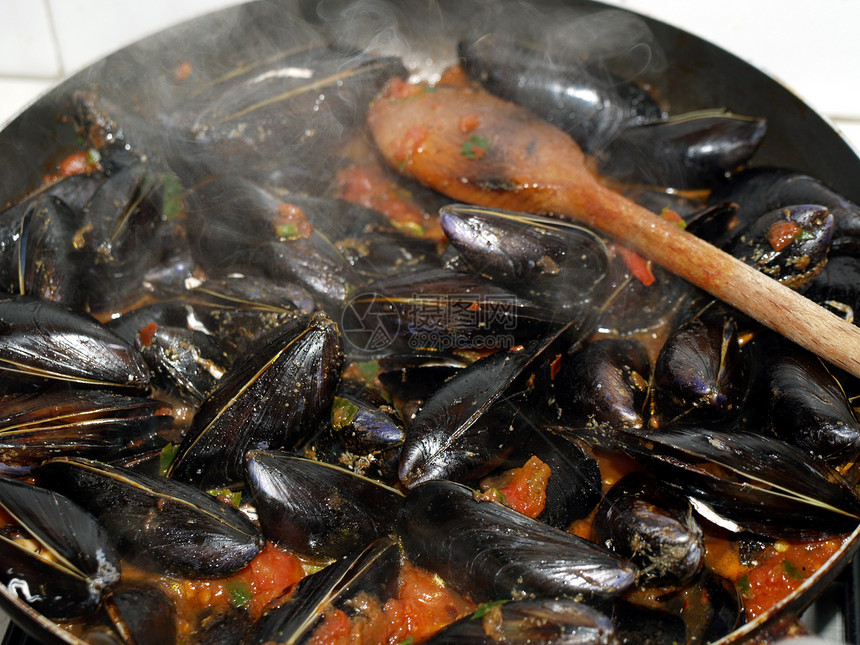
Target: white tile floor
(814, 51)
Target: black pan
(687, 72)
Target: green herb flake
(804, 236)
(288, 231)
(168, 454)
(743, 586)
(475, 147)
(234, 498)
(368, 370)
(487, 606)
(343, 412)
(172, 197)
(93, 156)
(407, 641)
(240, 594)
(792, 570)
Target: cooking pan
(687, 73)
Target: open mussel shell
(318, 508)
(491, 552)
(757, 483)
(542, 621)
(163, 525)
(789, 244)
(76, 561)
(652, 526)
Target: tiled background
(815, 51)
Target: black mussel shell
(441, 311)
(797, 399)
(316, 508)
(49, 266)
(182, 361)
(119, 234)
(273, 399)
(271, 239)
(700, 375)
(163, 525)
(547, 260)
(538, 622)
(80, 562)
(40, 341)
(586, 100)
(653, 527)
(471, 423)
(254, 292)
(94, 423)
(747, 481)
(695, 150)
(269, 121)
(365, 434)
(759, 190)
(789, 244)
(604, 384)
(372, 570)
(144, 614)
(488, 551)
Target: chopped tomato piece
(782, 233)
(455, 76)
(147, 333)
(523, 489)
(469, 122)
(397, 88)
(335, 629)
(269, 574)
(74, 164)
(639, 266)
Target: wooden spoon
(480, 149)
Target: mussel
(163, 525)
(75, 563)
(491, 552)
(273, 399)
(318, 508)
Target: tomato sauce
(423, 605)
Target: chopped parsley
(475, 147)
